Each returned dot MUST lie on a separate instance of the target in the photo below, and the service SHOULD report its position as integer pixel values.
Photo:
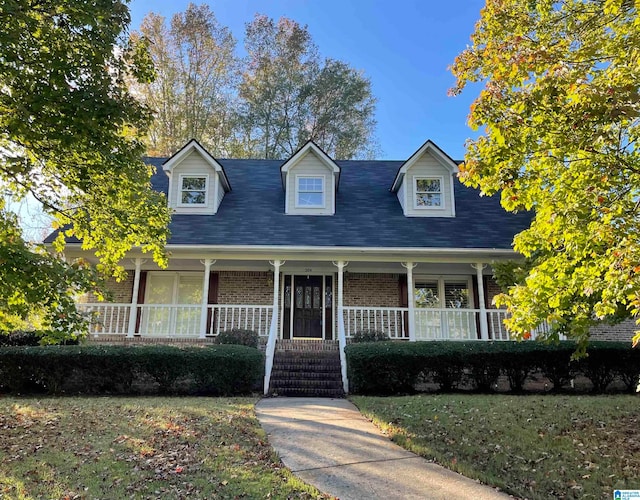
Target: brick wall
(245, 287)
(372, 290)
(622, 331)
(492, 290)
(121, 291)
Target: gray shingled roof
(367, 213)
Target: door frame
(292, 275)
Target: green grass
(139, 448)
(534, 447)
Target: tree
(196, 72)
(560, 111)
(68, 136)
(288, 96)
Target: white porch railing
(175, 320)
(106, 318)
(169, 320)
(172, 320)
(392, 320)
(446, 324)
(430, 323)
(225, 317)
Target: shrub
(369, 336)
(238, 336)
(383, 367)
(395, 367)
(217, 370)
(24, 338)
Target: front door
(307, 307)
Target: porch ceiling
(255, 258)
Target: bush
(369, 336)
(25, 338)
(383, 367)
(215, 370)
(238, 336)
(396, 367)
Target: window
(442, 293)
(193, 190)
(428, 192)
(310, 192)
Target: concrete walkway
(329, 444)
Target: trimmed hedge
(238, 336)
(29, 337)
(215, 370)
(397, 367)
(369, 336)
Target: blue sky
(403, 46)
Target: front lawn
(535, 447)
(138, 447)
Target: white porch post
(484, 327)
(205, 296)
(342, 338)
(411, 299)
(133, 312)
(273, 331)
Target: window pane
(299, 297)
(159, 289)
(313, 184)
(190, 290)
(194, 183)
(193, 197)
(426, 294)
(456, 295)
(428, 185)
(309, 199)
(287, 296)
(428, 200)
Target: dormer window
(193, 190)
(310, 192)
(428, 192)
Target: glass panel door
(157, 320)
(187, 319)
(308, 310)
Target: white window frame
(206, 190)
(323, 192)
(441, 280)
(439, 178)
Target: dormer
(424, 183)
(197, 182)
(310, 181)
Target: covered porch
(411, 301)
(305, 295)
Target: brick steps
(306, 370)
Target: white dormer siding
(310, 181)
(424, 184)
(401, 197)
(197, 182)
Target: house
(311, 249)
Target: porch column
(484, 327)
(205, 296)
(133, 312)
(273, 331)
(342, 337)
(411, 299)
